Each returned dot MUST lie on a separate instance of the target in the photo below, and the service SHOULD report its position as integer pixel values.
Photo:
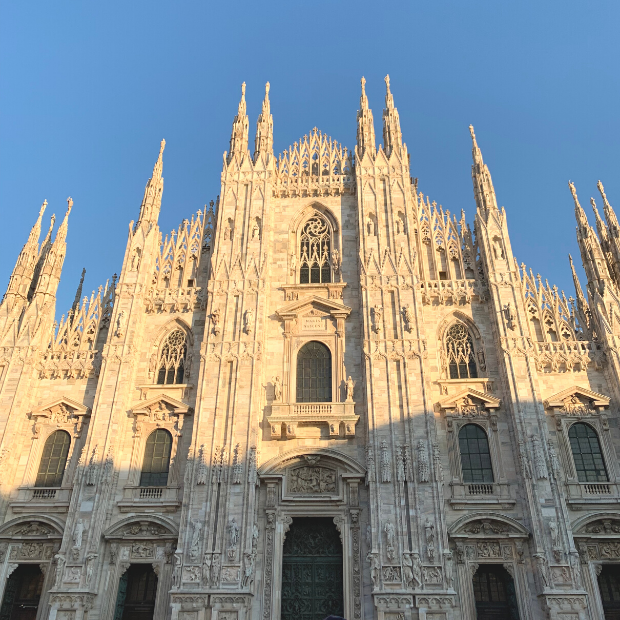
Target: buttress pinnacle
(365, 125)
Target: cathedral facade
(323, 394)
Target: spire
(53, 259)
(580, 214)
(264, 128)
(239, 135)
(601, 227)
(610, 214)
(365, 126)
(151, 203)
(23, 272)
(45, 248)
(78, 294)
(581, 299)
(481, 177)
(392, 136)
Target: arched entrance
(312, 573)
(22, 593)
(609, 586)
(494, 592)
(137, 590)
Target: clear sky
(88, 90)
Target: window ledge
(331, 414)
(148, 390)
(149, 499)
(588, 493)
(466, 496)
(44, 499)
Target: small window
(315, 252)
(460, 353)
(156, 462)
(314, 374)
(475, 455)
(443, 275)
(587, 453)
(190, 283)
(172, 358)
(53, 460)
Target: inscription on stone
(313, 323)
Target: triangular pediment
(161, 402)
(301, 306)
(61, 404)
(470, 398)
(576, 395)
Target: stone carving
(191, 573)
(555, 463)
(543, 569)
(248, 321)
(386, 469)
(201, 475)
(409, 318)
(78, 532)
(574, 406)
(194, 549)
(215, 319)
(237, 468)
(312, 480)
(437, 462)
(429, 530)
(489, 549)
(277, 389)
(215, 569)
(432, 575)
(350, 384)
(449, 569)
(248, 570)
(524, 461)
(539, 459)
(377, 313)
(32, 528)
(233, 534)
(603, 526)
(370, 465)
(142, 550)
(412, 570)
(390, 539)
(230, 574)
(91, 470)
(510, 316)
(392, 574)
(423, 469)
(252, 473)
(375, 568)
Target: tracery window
(314, 252)
(475, 454)
(460, 353)
(171, 364)
(314, 374)
(156, 462)
(53, 460)
(587, 453)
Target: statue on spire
(392, 136)
(239, 134)
(365, 125)
(264, 129)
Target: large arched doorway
(137, 591)
(609, 586)
(22, 593)
(494, 592)
(312, 586)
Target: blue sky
(87, 91)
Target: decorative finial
(243, 90)
(267, 87)
(573, 191)
(363, 80)
(42, 209)
(387, 83)
(601, 189)
(69, 204)
(162, 146)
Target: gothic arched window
(587, 453)
(171, 365)
(156, 462)
(460, 353)
(314, 252)
(475, 455)
(314, 374)
(53, 460)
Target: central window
(460, 353)
(314, 252)
(314, 374)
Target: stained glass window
(171, 364)
(587, 453)
(314, 252)
(314, 374)
(475, 456)
(460, 353)
(53, 460)
(156, 459)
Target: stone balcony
(150, 499)
(588, 493)
(470, 495)
(340, 418)
(42, 499)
